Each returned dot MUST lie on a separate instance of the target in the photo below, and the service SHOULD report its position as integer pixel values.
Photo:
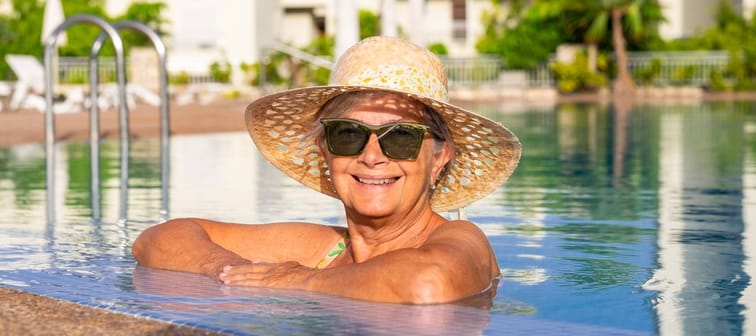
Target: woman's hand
(290, 275)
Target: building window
(459, 19)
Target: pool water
(619, 220)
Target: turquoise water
(631, 220)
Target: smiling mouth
(380, 181)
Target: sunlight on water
(749, 233)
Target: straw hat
(486, 152)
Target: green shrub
(221, 71)
(438, 48)
(683, 75)
(717, 81)
(272, 76)
(181, 78)
(745, 85)
(574, 77)
(321, 46)
(648, 74)
(595, 80)
(75, 77)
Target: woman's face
(376, 186)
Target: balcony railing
(648, 68)
(676, 67)
(472, 72)
(75, 70)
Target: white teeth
(375, 181)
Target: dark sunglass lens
(345, 138)
(402, 142)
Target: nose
(372, 154)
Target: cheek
(422, 166)
(337, 165)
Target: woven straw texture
(486, 152)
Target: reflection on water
(702, 222)
(300, 311)
(635, 218)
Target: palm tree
(592, 19)
(624, 83)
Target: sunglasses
(348, 137)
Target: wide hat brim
(487, 153)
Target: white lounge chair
(28, 91)
(6, 88)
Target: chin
(375, 209)
(373, 212)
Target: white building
(202, 31)
(239, 26)
(237, 29)
(686, 18)
(236, 25)
(226, 24)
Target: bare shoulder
(466, 244)
(459, 230)
(460, 237)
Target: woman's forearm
(392, 278)
(400, 277)
(182, 245)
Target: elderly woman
(383, 140)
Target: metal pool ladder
(108, 31)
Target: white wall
(5, 7)
(749, 6)
(300, 30)
(686, 18)
(673, 28)
(232, 24)
(192, 23)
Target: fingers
(273, 275)
(244, 275)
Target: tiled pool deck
(23, 313)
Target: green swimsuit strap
(338, 250)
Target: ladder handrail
(160, 49)
(50, 45)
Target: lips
(376, 181)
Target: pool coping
(24, 313)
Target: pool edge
(25, 313)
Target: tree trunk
(296, 72)
(623, 107)
(624, 84)
(592, 56)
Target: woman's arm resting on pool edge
(456, 262)
(182, 246)
(203, 246)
